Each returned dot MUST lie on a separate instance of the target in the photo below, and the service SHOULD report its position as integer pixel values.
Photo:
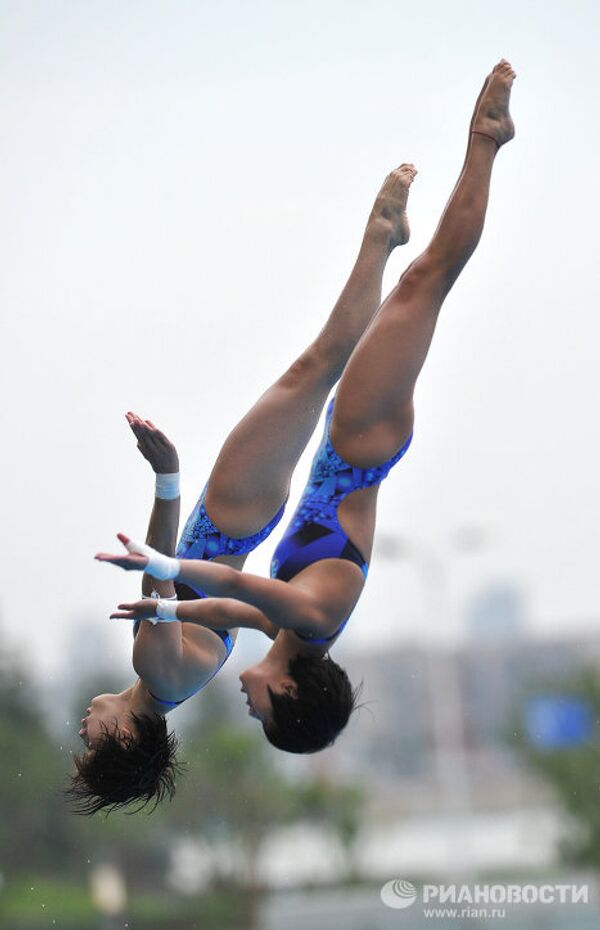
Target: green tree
(34, 833)
(233, 792)
(338, 807)
(236, 793)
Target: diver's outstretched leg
(373, 413)
(251, 477)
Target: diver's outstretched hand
(139, 610)
(154, 445)
(142, 558)
(134, 561)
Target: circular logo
(398, 893)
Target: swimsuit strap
(307, 638)
(225, 636)
(169, 703)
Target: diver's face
(254, 686)
(256, 681)
(102, 716)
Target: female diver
(318, 572)
(130, 755)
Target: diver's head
(130, 757)
(305, 706)
(107, 713)
(260, 681)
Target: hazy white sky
(184, 186)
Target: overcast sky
(184, 188)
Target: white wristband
(162, 567)
(166, 610)
(155, 596)
(167, 486)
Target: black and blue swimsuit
(314, 532)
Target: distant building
(390, 744)
(497, 611)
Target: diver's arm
(162, 455)
(224, 613)
(283, 605)
(162, 536)
(213, 613)
(287, 606)
(163, 655)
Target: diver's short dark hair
(123, 768)
(313, 719)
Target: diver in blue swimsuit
(301, 696)
(240, 505)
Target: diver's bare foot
(491, 117)
(389, 209)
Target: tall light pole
(442, 671)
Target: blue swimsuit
(201, 539)
(314, 532)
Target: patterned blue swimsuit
(314, 532)
(201, 539)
